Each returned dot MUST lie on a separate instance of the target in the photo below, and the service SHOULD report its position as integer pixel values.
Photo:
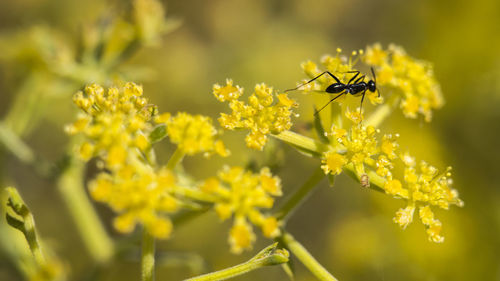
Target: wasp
(356, 86)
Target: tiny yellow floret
(241, 237)
(228, 92)
(261, 115)
(333, 163)
(194, 134)
(244, 195)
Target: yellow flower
(394, 187)
(389, 145)
(404, 216)
(422, 186)
(413, 78)
(241, 236)
(115, 122)
(116, 126)
(244, 194)
(384, 166)
(424, 189)
(139, 194)
(270, 227)
(354, 116)
(375, 55)
(333, 163)
(270, 184)
(194, 134)
(228, 92)
(261, 114)
(433, 225)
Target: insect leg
(359, 79)
(362, 98)
(328, 103)
(355, 71)
(354, 77)
(325, 72)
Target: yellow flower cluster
(116, 125)
(362, 149)
(193, 134)
(414, 78)
(340, 66)
(114, 121)
(138, 193)
(242, 194)
(261, 114)
(427, 187)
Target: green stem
(269, 256)
(148, 257)
(195, 194)
(299, 196)
(229, 272)
(302, 142)
(175, 159)
(15, 145)
(32, 239)
(306, 258)
(95, 238)
(19, 216)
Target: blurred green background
(347, 228)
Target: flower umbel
(243, 194)
(114, 121)
(362, 149)
(139, 194)
(262, 115)
(413, 78)
(193, 134)
(116, 124)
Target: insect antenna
(375, 80)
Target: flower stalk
(19, 216)
(303, 143)
(268, 256)
(175, 159)
(306, 258)
(89, 226)
(147, 257)
(299, 196)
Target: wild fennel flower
(193, 134)
(139, 194)
(116, 124)
(261, 114)
(424, 187)
(363, 148)
(114, 121)
(242, 194)
(414, 78)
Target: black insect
(356, 86)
